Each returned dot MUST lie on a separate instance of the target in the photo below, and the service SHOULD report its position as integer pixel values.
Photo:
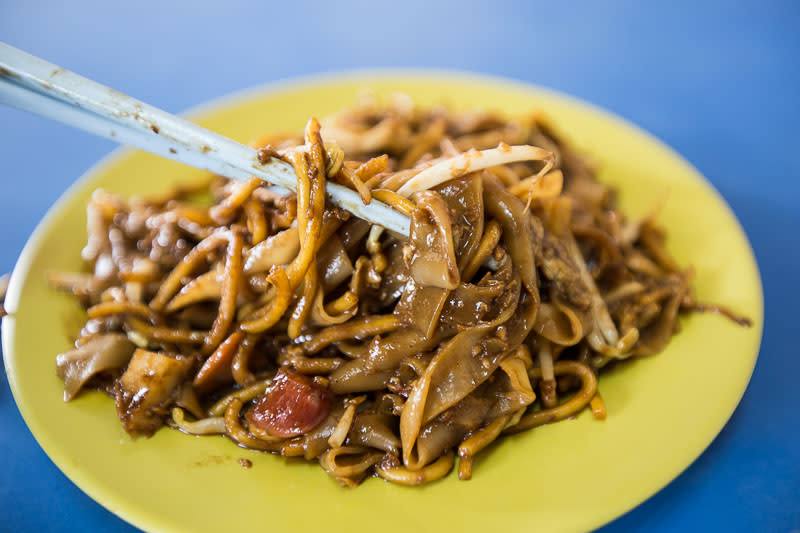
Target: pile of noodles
(290, 326)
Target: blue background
(718, 81)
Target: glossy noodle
(292, 327)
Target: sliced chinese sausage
(293, 404)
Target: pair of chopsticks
(34, 85)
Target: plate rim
(287, 84)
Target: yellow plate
(662, 411)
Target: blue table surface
(718, 81)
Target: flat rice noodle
(420, 307)
(464, 199)
(375, 430)
(447, 430)
(371, 371)
(511, 389)
(468, 304)
(432, 259)
(456, 370)
(522, 236)
(100, 353)
(509, 392)
(520, 324)
(462, 364)
(333, 264)
(353, 232)
(459, 367)
(315, 442)
(423, 307)
(394, 278)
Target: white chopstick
(32, 84)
